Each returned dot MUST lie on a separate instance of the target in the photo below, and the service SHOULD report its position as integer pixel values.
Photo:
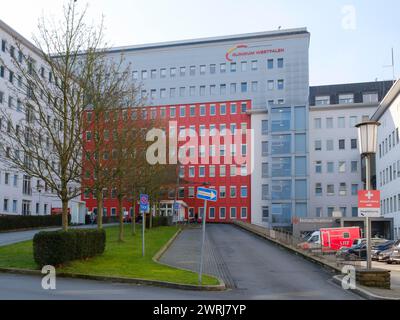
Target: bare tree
(46, 143)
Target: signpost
(206, 195)
(144, 207)
(369, 204)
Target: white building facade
(388, 156)
(21, 194)
(335, 162)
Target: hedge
(10, 222)
(158, 221)
(58, 247)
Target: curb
(136, 281)
(363, 292)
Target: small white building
(388, 155)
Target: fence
(332, 258)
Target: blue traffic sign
(207, 194)
(144, 202)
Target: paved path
(253, 267)
(7, 238)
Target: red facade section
(236, 203)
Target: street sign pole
(203, 240)
(143, 227)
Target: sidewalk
(185, 251)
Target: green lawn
(119, 259)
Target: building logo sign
(243, 50)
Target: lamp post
(367, 137)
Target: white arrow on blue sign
(206, 194)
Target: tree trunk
(100, 210)
(133, 218)
(151, 217)
(65, 214)
(121, 220)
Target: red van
(336, 238)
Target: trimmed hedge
(58, 247)
(10, 222)
(158, 221)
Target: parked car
(395, 254)
(357, 252)
(377, 249)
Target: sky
(351, 40)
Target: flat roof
(237, 37)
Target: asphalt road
(259, 269)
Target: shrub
(9, 222)
(58, 247)
(159, 221)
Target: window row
(339, 122)
(319, 211)
(213, 89)
(347, 98)
(222, 212)
(202, 110)
(330, 145)
(389, 174)
(339, 167)
(203, 69)
(390, 142)
(331, 191)
(211, 171)
(391, 204)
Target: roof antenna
(392, 66)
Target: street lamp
(367, 137)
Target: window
(254, 65)
(192, 70)
(212, 110)
(233, 213)
(342, 189)
(232, 192)
(182, 111)
(243, 213)
(330, 189)
(353, 144)
(243, 191)
(172, 72)
(243, 66)
(354, 166)
(202, 69)
(318, 189)
(222, 213)
(265, 214)
(163, 73)
(370, 97)
(222, 170)
(264, 148)
(354, 189)
(254, 86)
(322, 100)
(202, 171)
(182, 91)
(233, 108)
(342, 144)
(265, 192)
(341, 122)
(329, 145)
(233, 66)
(212, 68)
(329, 123)
(222, 192)
(222, 89)
(270, 85)
(243, 87)
(281, 84)
(342, 166)
(265, 170)
(144, 74)
(222, 109)
(233, 88)
(346, 98)
(270, 63)
(222, 68)
(318, 167)
(317, 145)
(192, 91)
(353, 121)
(264, 127)
(317, 123)
(211, 213)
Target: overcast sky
(351, 40)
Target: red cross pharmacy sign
(369, 203)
